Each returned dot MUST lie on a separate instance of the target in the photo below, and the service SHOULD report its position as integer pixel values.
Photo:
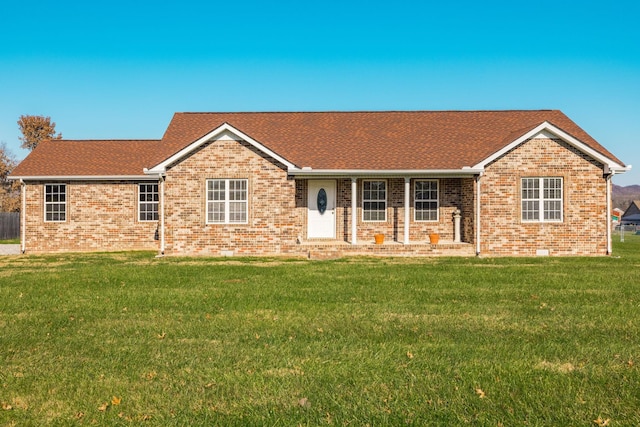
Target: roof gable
(224, 131)
(633, 209)
(548, 130)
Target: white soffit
(548, 131)
(224, 132)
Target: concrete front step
(327, 251)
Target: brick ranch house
(324, 183)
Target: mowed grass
(10, 242)
(129, 339)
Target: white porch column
(354, 211)
(407, 209)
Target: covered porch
(342, 214)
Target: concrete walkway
(10, 249)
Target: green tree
(36, 129)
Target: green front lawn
(128, 339)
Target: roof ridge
(368, 111)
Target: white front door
(321, 217)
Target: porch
(342, 215)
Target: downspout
(23, 216)
(608, 180)
(478, 214)
(162, 243)
(354, 210)
(407, 201)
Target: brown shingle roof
(377, 140)
(88, 158)
(393, 140)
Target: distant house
(632, 214)
(316, 183)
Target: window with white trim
(148, 201)
(425, 200)
(55, 202)
(227, 201)
(374, 200)
(542, 199)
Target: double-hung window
(374, 200)
(55, 202)
(227, 201)
(148, 200)
(426, 200)
(542, 199)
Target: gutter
(306, 171)
(82, 178)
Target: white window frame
(55, 203)
(365, 201)
(535, 202)
(155, 202)
(416, 201)
(227, 204)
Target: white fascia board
(220, 130)
(84, 178)
(548, 127)
(452, 173)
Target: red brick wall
(583, 230)
(274, 219)
(101, 216)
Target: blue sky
(120, 69)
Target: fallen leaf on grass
(7, 407)
(480, 393)
(602, 422)
(409, 355)
(103, 407)
(162, 335)
(116, 400)
(304, 402)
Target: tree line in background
(34, 129)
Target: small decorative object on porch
(434, 238)
(379, 238)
